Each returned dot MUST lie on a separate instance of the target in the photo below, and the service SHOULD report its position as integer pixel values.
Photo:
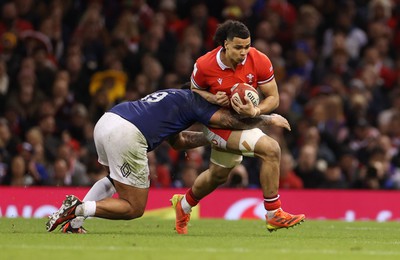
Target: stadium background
(64, 63)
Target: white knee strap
(248, 141)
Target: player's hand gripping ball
(240, 90)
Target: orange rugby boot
(282, 219)
(181, 218)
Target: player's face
(237, 49)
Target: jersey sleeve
(265, 70)
(197, 79)
(203, 109)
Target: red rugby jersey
(211, 74)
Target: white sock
(86, 209)
(102, 189)
(185, 205)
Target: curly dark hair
(230, 29)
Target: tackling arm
(226, 118)
(187, 140)
(221, 98)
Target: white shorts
(225, 159)
(123, 148)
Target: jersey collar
(221, 64)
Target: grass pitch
(152, 238)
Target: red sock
(190, 198)
(272, 203)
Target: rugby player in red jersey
(214, 74)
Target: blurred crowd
(63, 63)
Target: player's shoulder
(259, 58)
(257, 54)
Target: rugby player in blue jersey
(123, 137)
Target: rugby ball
(240, 90)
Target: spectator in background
(10, 21)
(112, 82)
(76, 174)
(35, 138)
(333, 178)
(78, 120)
(127, 30)
(4, 84)
(188, 175)
(266, 31)
(308, 22)
(288, 178)
(91, 36)
(35, 172)
(78, 74)
(192, 42)
(52, 26)
(17, 171)
(352, 38)
(374, 175)
(363, 134)
(8, 144)
(238, 177)
(60, 174)
(47, 126)
(349, 166)
(183, 65)
(282, 15)
(153, 70)
(45, 68)
(25, 100)
(9, 52)
(308, 168)
(160, 175)
(99, 104)
(63, 102)
(386, 117)
(199, 17)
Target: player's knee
(269, 148)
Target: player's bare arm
(187, 140)
(221, 98)
(271, 100)
(227, 118)
(224, 118)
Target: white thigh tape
(248, 141)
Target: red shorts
(223, 133)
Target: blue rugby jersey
(165, 112)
